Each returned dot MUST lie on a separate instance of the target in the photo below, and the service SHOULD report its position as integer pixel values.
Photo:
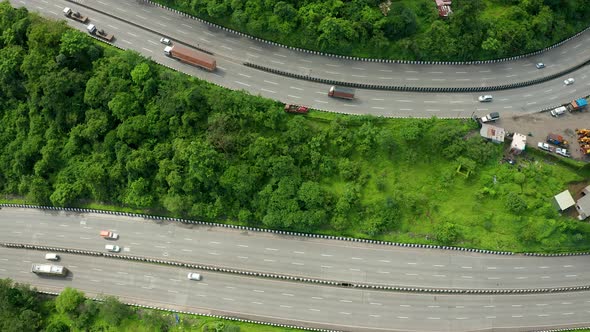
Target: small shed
(583, 204)
(493, 133)
(563, 200)
(518, 143)
(444, 8)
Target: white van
(51, 257)
(558, 111)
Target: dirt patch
(537, 126)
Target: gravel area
(541, 124)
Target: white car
(562, 152)
(485, 98)
(165, 41)
(569, 81)
(112, 248)
(544, 146)
(52, 257)
(194, 276)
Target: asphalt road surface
(301, 256)
(309, 305)
(232, 74)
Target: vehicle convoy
(492, 117)
(577, 105)
(109, 235)
(68, 12)
(557, 140)
(49, 269)
(191, 56)
(341, 92)
(290, 108)
(99, 33)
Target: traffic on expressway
(450, 290)
(301, 304)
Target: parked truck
(557, 140)
(577, 105)
(341, 92)
(49, 269)
(191, 56)
(68, 12)
(290, 108)
(99, 33)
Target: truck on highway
(191, 56)
(557, 140)
(49, 269)
(290, 108)
(68, 12)
(93, 30)
(341, 92)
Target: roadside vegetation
(84, 124)
(22, 309)
(400, 29)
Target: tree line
(22, 309)
(397, 29)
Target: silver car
(165, 41)
(569, 81)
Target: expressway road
(313, 258)
(304, 305)
(232, 74)
(240, 49)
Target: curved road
(234, 75)
(327, 307)
(308, 257)
(239, 49)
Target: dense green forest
(400, 29)
(22, 309)
(84, 123)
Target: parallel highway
(304, 305)
(308, 257)
(231, 52)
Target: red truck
(68, 12)
(99, 33)
(341, 92)
(290, 108)
(191, 56)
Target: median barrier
(413, 88)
